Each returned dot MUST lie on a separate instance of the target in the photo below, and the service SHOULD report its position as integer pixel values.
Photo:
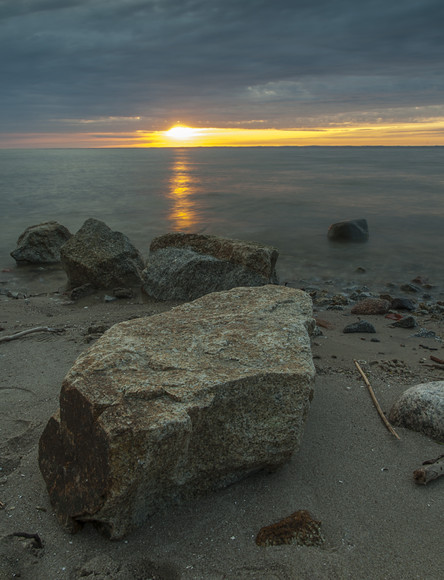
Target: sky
(122, 73)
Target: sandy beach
(350, 472)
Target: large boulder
(421, 408)
(40, 244)
(187, 266)
(165, 407)
(98, 256)
(349, 231)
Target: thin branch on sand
(375, 401)
(26, 332)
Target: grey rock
(166, 407)
(40, 244)
(98, 256)
(81, 291)
(360, 326)
(349, 231)
(410, 288)
(405, 322)
(424, 333)
(187, 266)
(421, 408)
(402, 304)
(123, 293)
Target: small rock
(406, 322)
(108, 298)
(410, 288)
(81, 291)
(299, 528)
(97, 329)
(402, 304)
(424, 333)
(361, 326)
(371, 306)
(123, 293)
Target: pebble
(361, 326)
(406, 322)
(371, 306)
(402, 304)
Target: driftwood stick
(433, 469)
(25, 332)
(375, 401)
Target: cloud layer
(145, 64)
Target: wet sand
(350, 472)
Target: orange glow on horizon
(427, 133)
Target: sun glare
(181, 132)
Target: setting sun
(181, 132)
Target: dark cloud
(216, 61)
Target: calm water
(286, 197)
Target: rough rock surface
(166, 407)
(40, 244)
(360, 326)
(421, 408)
(349, 231)
(98, 256)
(371, 306)
(187, 266)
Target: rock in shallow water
(349, 231)
(98, 256)
(169, 406)
(41, 244)
(187, 266)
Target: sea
(286, 197)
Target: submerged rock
(421, 408)
(98, 256)
(40, 244)
(187, 266)
(169, 406)
(349, 231)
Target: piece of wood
(437, 360)
(26, 332)
(375, 401)
(433, 468)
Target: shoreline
(350, 472)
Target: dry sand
(350, 472)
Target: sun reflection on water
(183, 214)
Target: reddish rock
(371, 306)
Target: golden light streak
(183, 213)
(427, 133)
